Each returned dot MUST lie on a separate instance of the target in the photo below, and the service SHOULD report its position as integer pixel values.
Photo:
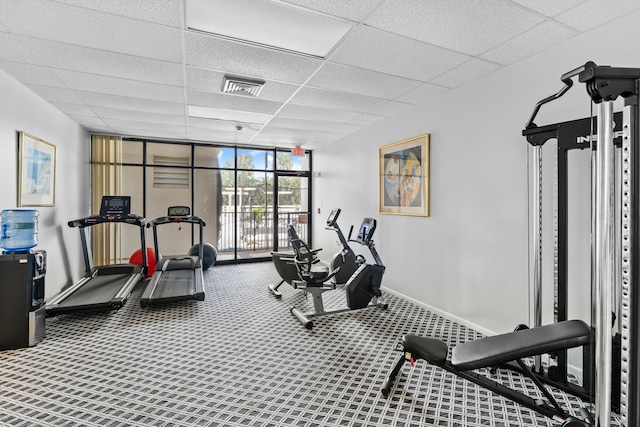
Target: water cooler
(22, 273)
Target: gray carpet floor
(240, 358)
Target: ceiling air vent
(242, 86)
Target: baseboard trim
(442, 313)
(574, 370)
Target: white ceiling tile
(246, 60)
(389, 108)
(165, 12)
(379, 50)
(292, 137)
(55, 94)
(314, 113)
(223, 125)
(116, 86)
(365, 120)
(133, 124)
(98, 30)
(245, 134)
(74, 109)
(469, 71)
(276, 140)
(32, 74)
(470, 27)
(88, 121)
(232, 102)
(94, 61)
(212, 81)
(11, 50)
(406, 53)
(549, 7)
(298, 133)
(421, 94)
(364, 82)
(157, 134)
(99, 129)
(139, 116)
(354, 10)
(593, 13)
(530, 42)
(289, 123)
(133, 104)
(217, 135)
(337, 100)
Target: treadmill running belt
(98, 290)
(176, 284)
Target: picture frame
(36, 171)
(404, 177)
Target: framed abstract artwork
(404, 177)
(36, 172)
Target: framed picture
(36, 172)
(404, 177)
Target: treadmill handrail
(174, 219)
(101, 219)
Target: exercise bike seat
(317, 275)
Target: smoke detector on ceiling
(242, 86)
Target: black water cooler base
(22, 305)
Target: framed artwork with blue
(36, 172)
(404, 177)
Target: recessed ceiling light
(222, 114)
(267, 23)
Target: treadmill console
(333, 217)
(115, 205)
(178, 211)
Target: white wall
(22, 110)
(469, 259)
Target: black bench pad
(430, 349)
(492, 351)
(503, 348)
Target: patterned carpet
(240, 358)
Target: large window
(246, 196)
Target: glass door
(293, 209)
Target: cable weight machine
(615, 231)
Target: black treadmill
(176, 278)
(104, 287)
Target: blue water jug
(19, 229)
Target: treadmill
(176, 278)
(104, 287)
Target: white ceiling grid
(132, 67)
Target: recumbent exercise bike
(345, 259)
(362, 289)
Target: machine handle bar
(172, 220)
(567, 79)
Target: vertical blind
(106, 179)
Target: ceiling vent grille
(242, 86)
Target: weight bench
(498, 351)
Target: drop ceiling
(134, 68)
